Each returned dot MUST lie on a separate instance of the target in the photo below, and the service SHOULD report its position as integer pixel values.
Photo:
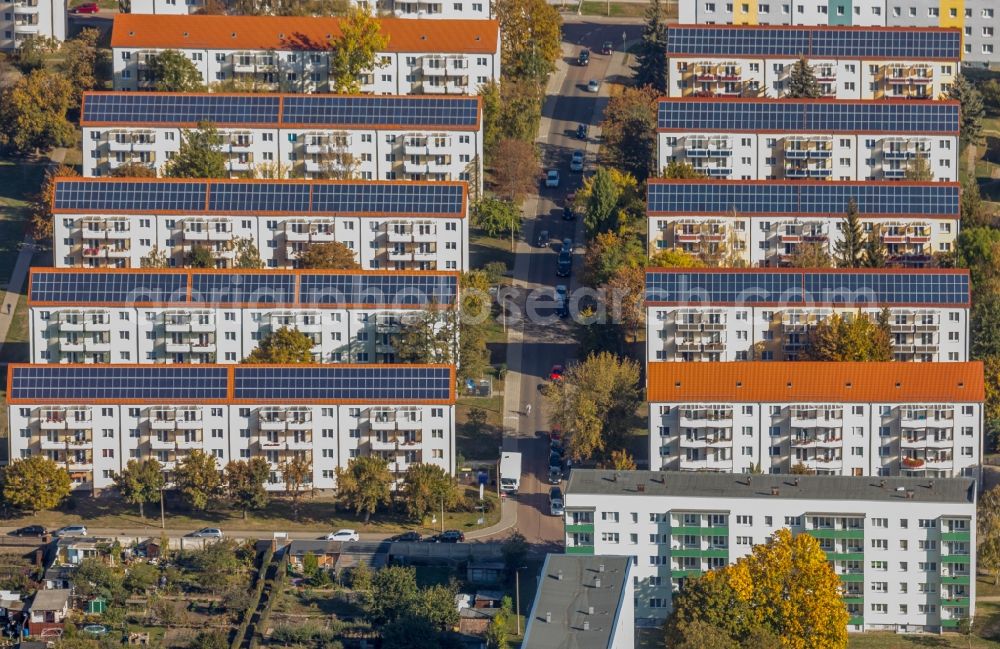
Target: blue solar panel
(259, 197)
(108, 287)
(156, 383)
(110, 195)
(398, 199)
(781, 197)
(378, 383)
(398, 289)
(122, 109)
(791, 116)
(243, 288)
(765, 286)
(816, 42)
(332, 110)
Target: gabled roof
(52, 599)
(298, 33)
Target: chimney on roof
(597, 582)
(641, 487)
(796, 482)
(909, 494)
(586, 625)
(559, 575)
(930, 485)
(600, 568)
(881, 483)
(590, 610)
(774, 491)
(548, 616)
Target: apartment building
(849, 419)
(904, 548)
(292, 54)
(848, 62)
(769, 314)
(204, 316)
(114, 222)
(979, 20)
(291, 136)
(818, 139)
(24, 19)
(402, 9)
(93, 419)
(765, 223)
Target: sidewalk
(508, 520)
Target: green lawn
(480, 444)
(19, 179)
(484, 249)
(895, 641)
(620, 10)
(15, 346)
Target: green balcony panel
(955, 558)
(956, 536)
(949, 624)
(715, 553)
(856, 619)
(580, 527)
(836, 534)
(580, 549)
(845, 556)
(854, 599)
(856, 576)
(957, 579)
(699, 531)
(957, 601)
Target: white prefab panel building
(24, 19)
(818, 139)
(848, 62)
(850, 419)
(204, 316)
(111, 222)
(765, 222)
(904, 548)
(769, 314)
(292, 54)
(93, 419)
(415, 9)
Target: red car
(556, 373)
(87, 8)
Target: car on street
(405, 537)
(607, 47)
(451, 536)
(568, 213)
(567, 245)
(555, 435)
(556, 501)
(555, 475)
(207, 533)
(564, 264)
(30, 530)
(581, 132)
(576, 162)
(555, 462)
(342, 535)
(552, 178)
(85, 8)
(543, 239)
(593, 85)
(561, 292)
(556, 373)
(563, 309)
(584, 57)
(71, 530)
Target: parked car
(552, 178)
(556, 501)
(406, 537)
(86, 8)
(568, 213)
(593, 85)
(556, 373)
(576, 162)
(555, 435)
(607, 47)
(561, 292)
(451, 536)
(555, 475)
(71, 530)
(555, 462)
(342, 535)
(543, 239)
(581, 132)
(30, 530)
(564, 264)
(207, 533)
(584, 57)
(567, 245)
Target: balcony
(164, 443)
(416, 167)
(424, 233)
(400, 255)
(25, 27)
(25, 8)
(382, 422)
(97, 345)
(207, 230)
(397, 234)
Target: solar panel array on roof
(386, 111)
(108, 287)
(790, 116)
(776, 287)
(819, 42)
(112, 195)
(402, 290)
(122, 109)
(259, 197)
(404, 198)
(360, 384)
(777, 197)
(108, 382)
(243, 288)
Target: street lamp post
(517, 597)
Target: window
(609, 516)
(609, 537)
(743, 519)
(880, 544)
(927, 523)
(744, 540)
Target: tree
(331, 255)
(297, 473)
(35, 483)
(975, 212)
(393, 593)
(532, 38)
(155, 259)
(197, 479)
(596, 400)
(355, 50)
(512, 110)
(211, 639)
(629, 132)
(133, 169)
(79, 62)
(199, 257)
(426, 336)
(141, 482)
(971, 110)
(497, 217)
(515, 170)
(515, 551)
(608, 252)
(802, 82)
(918, 170)
(608, 200)
(681, 170)
(810, 254)
(623, 298)
(33, 113)
(497, 634)
(283, 346)
(875, 254)
(698, 635)
(245, 480)
(801, 469)
(651, 63)
(32, 52)
(247, 255)
(365, 484)
(674, 258)
(41, 205)
(173, 71)
(859, 338)
(988, 532)
(622, 461)
(849, 250)
(990, 90)
(199, 155)
(425, 488)
(410, 632)
(991, 407)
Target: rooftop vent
(186, 34)
(881, 483)
(848, 385)
(586, 625)
(597, 583)
(898, 384)
(590, 610)
(677, 384)
(641, 487)
(548, 616)
(739, 384)
(909, 494)
(559, 575)
(796, 482)
(600, 568)
(899, 488)
(233, 35)
(775, 491)
(788, 385)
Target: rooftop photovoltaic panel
(818, 42)
(791, 116)
(391, 384)
(403, 198)
(779, 197)
(243, 288)
(155, 383)
(129, 195)
(767, 286)
(383, 111)
(392, 290)
(122, 109)
(259, 197)
(108, 287)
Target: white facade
(805, 12)
(901, 420)
(415, 9)
(23, 19)
(903, 547)
(439, 57)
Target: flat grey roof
(729, 485)
(568, 600)
(50, 600)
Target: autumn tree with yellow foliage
(784, 590)
(858, 338)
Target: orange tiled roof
(801, 381)
(295, 33)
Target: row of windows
(846, 143)
(821, 7)
(777, 411)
